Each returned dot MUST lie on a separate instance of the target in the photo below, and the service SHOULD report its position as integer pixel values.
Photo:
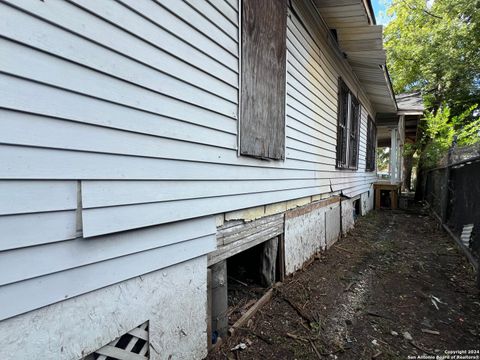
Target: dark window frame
(370, 160)
(348, 128)
(262, 93)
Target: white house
(144, 142)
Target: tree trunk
(407, 164)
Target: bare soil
(395, 286)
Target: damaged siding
(123, 115)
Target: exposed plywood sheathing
(262, 123)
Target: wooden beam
(250, 312)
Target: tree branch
(424, 10)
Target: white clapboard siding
(37, 228)
(234, 4)
(216, 17)
(305, 137)
(59, 103)
(226, 10)
(54, 133)
(105, 220)
(40, 291)
(67, 105)
(17, 196)
(170, 93)
(70, 17)
(81, 252)
(129, 109)
(226, 38)
(112, 193)
(131, 60)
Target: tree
(434, 47)
(442, 129)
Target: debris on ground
(240, 346)
(360, 298)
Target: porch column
(393, 155)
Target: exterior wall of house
(119, 145)
(75, 327)
(304, 235)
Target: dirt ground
(394, 287)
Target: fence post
(446, 193)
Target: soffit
(362, 43)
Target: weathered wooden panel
(304, 236)
(229, 233)
(348, 217)
(332, 225)
(262, 123)
(235, 237)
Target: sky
(380, 8)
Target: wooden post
(209, 308)
(219, 298)
(393, 155)
(446, 182)
(377, 197)
(281, 258)
(268, 262)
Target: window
(371, 144)
(263, 79)
(347, 128)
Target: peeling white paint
(304, 236)
(332, 224)
(367, 201)
(172, 299)
(348, 220)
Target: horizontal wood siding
(36, 292)
(119, 119)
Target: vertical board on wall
(263, 85)
(304, 235)
(332, 225)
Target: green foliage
(383, 159)
(436, 49)
(441, 128)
